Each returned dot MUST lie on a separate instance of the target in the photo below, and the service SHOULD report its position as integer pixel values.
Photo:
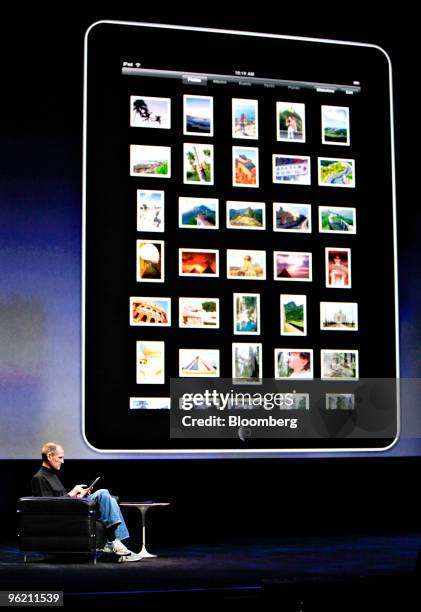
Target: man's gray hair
(49, 448)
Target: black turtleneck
(46, 483)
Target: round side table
(143, 508)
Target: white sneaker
(128, 558)
(118, 548)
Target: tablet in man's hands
(94, 483)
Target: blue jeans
(110, 513)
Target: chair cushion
(55, 505)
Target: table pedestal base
(143, 554)
(143, 507)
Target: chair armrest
(56, 505)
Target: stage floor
(291, 568)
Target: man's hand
(79, 491)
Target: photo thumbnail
(246, 313)
(245, 167)
(245, 119)
(199, 362)
(198, 213)
(152, 311)
(150, 211)
(293, 315)
(150, 162)
(199, 313)
(198, 115)
(246, 363)
(338, 268)
(292, 266)
(337, 220)
(293, 363)
(150, 403)
(339, 364)
(336, 172)
(290, 122)
(245, 264)
(339, 316)
(291, 169)
(150, 261)
(150, 362)
(246, 215)
(198, 262)
(149, 112)
(198, 164)
(335, 125)
(340, 401)
(289, 217)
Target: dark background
(41, 118)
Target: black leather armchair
(59, 525)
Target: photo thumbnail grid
(152, 165)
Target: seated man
(46, 483)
